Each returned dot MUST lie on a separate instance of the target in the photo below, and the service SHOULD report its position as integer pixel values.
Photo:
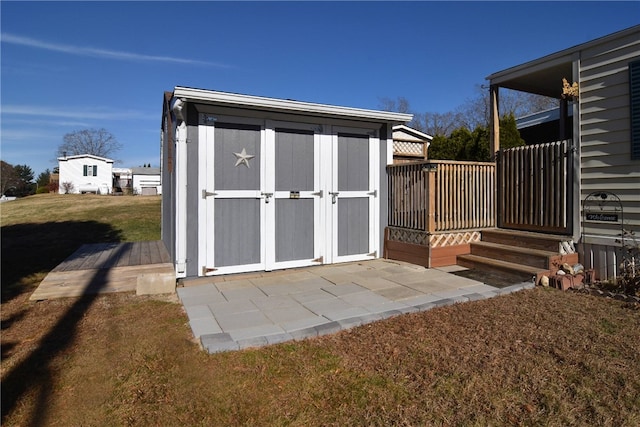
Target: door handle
(334, 197)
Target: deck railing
(535, 187)
(442, 195)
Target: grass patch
(537, 357)
(39, 232)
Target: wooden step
(489, 264)
(515, 254)
(541, 241)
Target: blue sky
(67, 66)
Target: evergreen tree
(43, 178)
(24, 180)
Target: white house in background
(86, 174)
(146, 181)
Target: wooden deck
(110, 267)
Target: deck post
(430, 187)
(495, 121)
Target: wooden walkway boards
(108, 267)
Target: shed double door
(285, 195)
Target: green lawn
(39, 232)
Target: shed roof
(543, 76)
(403, 131)
(287, 105)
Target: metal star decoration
(243, 158)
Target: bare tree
(399, 105)
(98, 142)
(442, 123)
(473, 113)
(7, 176)
(477, 110)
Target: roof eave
(414, 132)
(557, 57)
(80, 156)
(285, 105)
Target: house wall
(605, 148)
(140, 182)
(71, 170)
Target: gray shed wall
(168, 206)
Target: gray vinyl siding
(605, 140)
(634, 96)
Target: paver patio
(240, 311)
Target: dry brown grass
(537, 357)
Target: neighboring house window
(90, 170)
(634, 101)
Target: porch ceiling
(542, 77)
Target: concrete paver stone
(344, 289)
(345, 313)
(204, 326)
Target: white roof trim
(413, 131)
(83, 156)
(263, 103)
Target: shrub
(67, 187)
(629, 278)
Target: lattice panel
(407, 148)
(567, 247)
(408, 236)
(452, 239)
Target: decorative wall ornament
(569, 91)
(243, 158)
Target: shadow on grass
(496, 279)
(29, 249)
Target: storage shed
(253, 183)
